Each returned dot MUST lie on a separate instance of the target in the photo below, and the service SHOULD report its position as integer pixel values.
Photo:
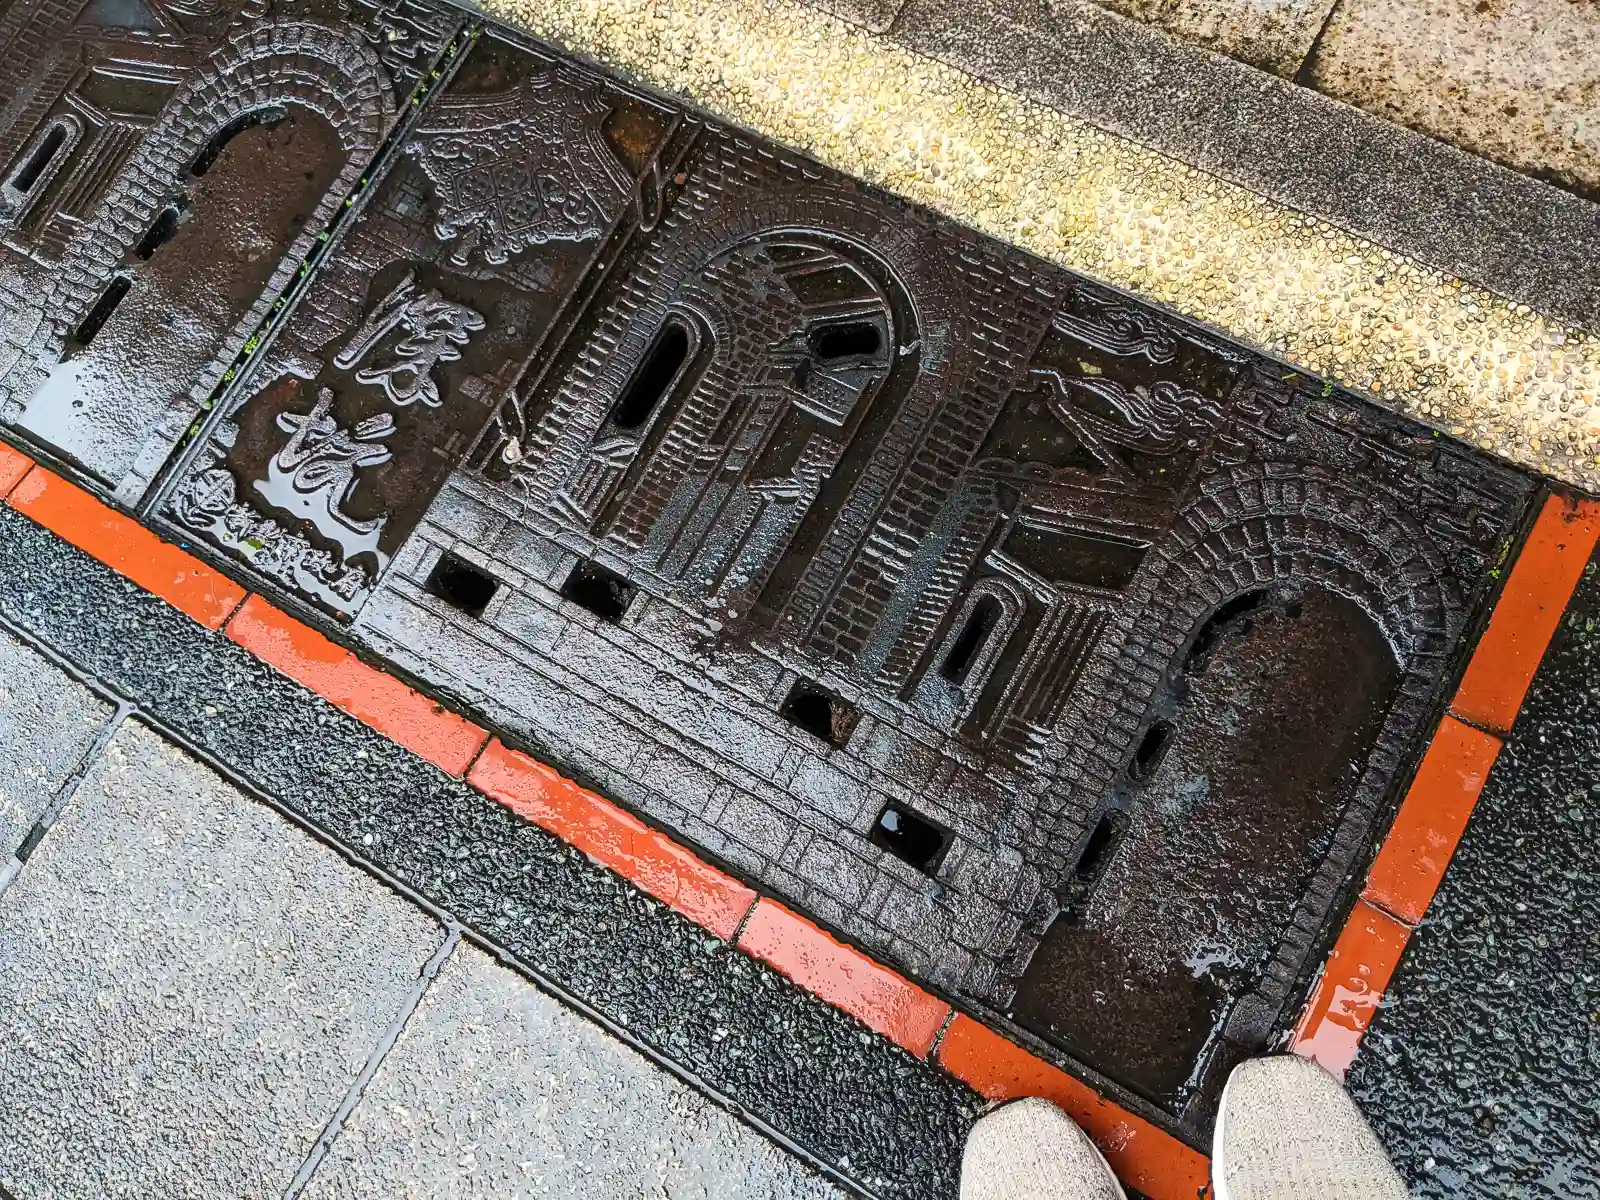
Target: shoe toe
(1031, 1150)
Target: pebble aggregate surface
(1454, 355)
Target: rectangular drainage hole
(604, 593)
(911, 838)
(461, 585)
(820, 713)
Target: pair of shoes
(1286, 1130)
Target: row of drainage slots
(908, 835)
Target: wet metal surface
(1481, 1071)
(169, 164)
(1052, 648)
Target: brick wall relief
(206, 148)
(331, 446)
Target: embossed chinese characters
(167, 168)
(418, 324)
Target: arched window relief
(975, 640)
(38, 163)
(657, 374)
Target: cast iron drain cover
(1057, 649)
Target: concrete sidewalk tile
(120, 542)
(188, 987)
(1516, 81)
(48, 721)
(882, 999)
(494, 1089)
(429, 730)
(1275, 35)
(1145, 1157)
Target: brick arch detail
(1251, 527)
(330, 72)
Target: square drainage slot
(604, 593)
(911, 838)
(461, 585)
(820, 713)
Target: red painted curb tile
(1143, 1156)
(1431, 820)
(13, 466)
(880, 998)
(374, 697)
(128, 548)
(1351, 987)
(1530, 608)
(614, 838)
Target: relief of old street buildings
(1054, 648)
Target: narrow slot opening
(974, 635)
(159, 233)
(910, 837)
(461, 585)
(26, 176)
(1101, 845)
(1152, 749)
(102, 310)
(654, 376)
(820, 713)
(604, 593)
(847, 339)
(212, 150)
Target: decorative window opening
(662, 365)
(38, 163)
(116, 291)
(1102, 844)
(845, 339)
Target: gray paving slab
(496, 1090)
(1514, 235)
(1275, 35)
(188, 987)
(1517, 81)
(1482, 1070)
(48, 721)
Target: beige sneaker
(1286, 1130)
(1031, 1150)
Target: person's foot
(1031, 1150)
(1286, 1130)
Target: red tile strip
(1431, 820)
(1530, 608)
(1146, 1157)
(13, 466)
(127, 547)
(613, 838)
(876, 996)
(1352, 985)
(1143, 1156)
(371, 696)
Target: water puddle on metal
(1055, 649)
